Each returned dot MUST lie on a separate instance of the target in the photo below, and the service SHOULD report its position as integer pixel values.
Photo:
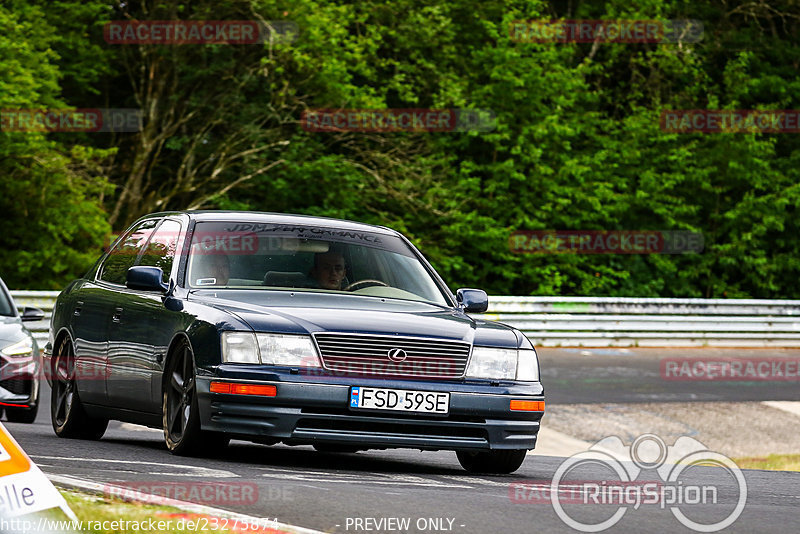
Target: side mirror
(146, 279)
(32, 314)
(472, 300)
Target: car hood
(305, 313)
(11, 330)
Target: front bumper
(306, 412)
(19, 383)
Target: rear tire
(500, 462)
(180, 410)
(67, 414)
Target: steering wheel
(357, 284)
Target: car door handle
(117, 317)
(77, 311)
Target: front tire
(500, 462)
(181, 412)
(67, 414)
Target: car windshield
(307, 258)
(6, 309)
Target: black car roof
(279, 218)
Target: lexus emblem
(397, 355)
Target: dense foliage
(578, 143)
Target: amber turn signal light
(527, 406)
(243, 389)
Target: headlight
(493, 363)
(19, 349)
(288, 350)
(269, 349)
(239, 347)
(503, 364)
(528, 366)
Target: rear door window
(123, 255)
(160, 250)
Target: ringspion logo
(587, 492)
(683, 486)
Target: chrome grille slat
(388, 345)
(368, 355)
(390, 340)
(419, 350)
(383, 354)
(348, 357)
(330, 354)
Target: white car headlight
(288, 350)
(504, 364)
(269, 349)
(527, 366)
(493, 363)
(239, 347)
(20, 349)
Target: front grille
(367, 429)
(377, 415)
(363, 355)
(17, 386)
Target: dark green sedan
(283, 328)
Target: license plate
(400, 400)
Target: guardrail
(650, 322)
(39, 299)
(605, 321)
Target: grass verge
(773, 462)
(108, 515)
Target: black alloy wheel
(180, 411)
(67, 414)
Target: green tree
(50, 194)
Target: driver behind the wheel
(211, 270)
(329, 270)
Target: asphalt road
(355, 492)
(573, 376)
